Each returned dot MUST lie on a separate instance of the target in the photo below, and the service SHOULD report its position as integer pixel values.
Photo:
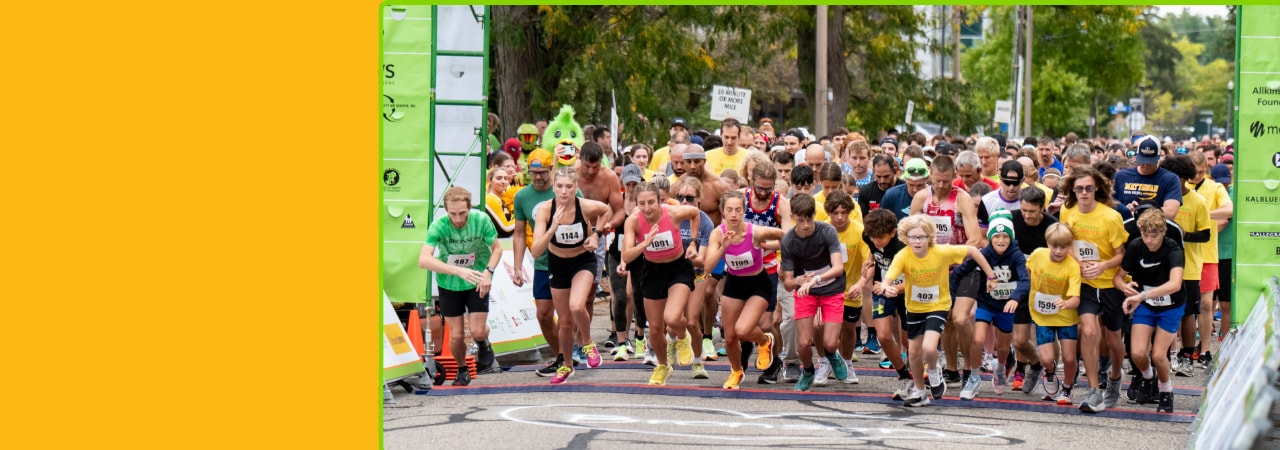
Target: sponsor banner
(399, 358)
(1257, 150)
(405, 172)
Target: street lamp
(1231, 87)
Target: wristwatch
(490, 269)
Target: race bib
(925, 294)
(1004, 290)
(943, 224)
(570, 234)
(884, 277)
(661, 241)
(1044, 303)
(1157, 301)
(461, 260)
(1087, 251)
(739, 262)
(823, 282)
(844, 254)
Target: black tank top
(569, 235)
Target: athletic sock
(871, 333)
(1021, 368)
(904, 373)
(1166, 386)
(965, 374)
(1036, 366)
(1148, 374)
(706, 336)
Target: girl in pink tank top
(666, 242)
(743, 258)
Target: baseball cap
(541, 158)
(679, 121)
(889, 139)
(632, 174)
(944, 148)
(1000, 139)
(1011, 172)
(695, 139)
(1148, 151)
(1220, 173)
(916, 169)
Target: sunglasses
(687, 198)
(1085, 189)
(917, 171)
(1010, 182)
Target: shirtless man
(602, 185)
(695, 163)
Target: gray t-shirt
(813, 254)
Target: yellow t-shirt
(660, 158)
(856, 253)
(1214, 196)
(1098, 235)
(820, 212)
(1050, 280)
(927, 279)
(1193, 216)
(718, 160)
(502, 215)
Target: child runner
(1055, 295)
(855, 254)
(888, 313)
(813, 267)
(997, 307)
(1156, 266)
(928, 297)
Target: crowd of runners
(945, 258)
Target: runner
(899, 197)
(1099, 248)
(955, 218)
(1156, 266)
(767, 207)
(995, 309)
(813, 261)
(748, 292)
(668, 275)
(855, 256)
(1054, 300)
(1030, 223)
(927, 297)
(568, 228)
(1220, 210)
(469, 244)
(888, 313)
(624, 307)
(689, 193)
(1193, 218)
(526, 202)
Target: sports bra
(568, 235)
(743, 258)
(666, 242)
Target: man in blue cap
(1148, 182)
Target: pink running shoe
(593, 355)
(562, 375)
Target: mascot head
(528, 137)
(563, 137)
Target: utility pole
(1026, 62)
(820, 94)
(955, 38)
(1017, 75)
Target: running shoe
(630, 345)
(951, 377)
(578, 356)
(1150, 392)
(999, 380)
(971, 386)
(684, 350)
(550, 370)
(764, 355)
(1018, 377)
(562, 375)
(709, 350)
(660, 375)
(873, 346)
(988, 363)
(1186, 367)
(1030, 381)
(937, 390)
(699, 372)
(918, 398)
(791, 373)
(1112, 395)
(1166, 402)
(904, 391)
(1051, 386)
(671, 352)
(1064, 397)
(884, 362)
(612, 342)
(463, 378)
(1094, 402)
(1205, 360)
(620, 353)
(593, 355)
(838, 367)
(806, 380)
(853, 376)
(770, 375)
(1135, 389)
(650, 359)
(638, 347)
(823, 372)
(735, 380)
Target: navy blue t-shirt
(1131, 186)
(897, 200)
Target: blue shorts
(1167, 320)
(719, 270)
(1046, 335)
(541, 284)
(882, 307)
(1002, 320)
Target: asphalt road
(613, 406)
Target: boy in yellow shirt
(1055, 295)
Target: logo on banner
(391, 180)
(392, 111)
(408, 221)
(1275, 159)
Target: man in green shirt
(469, 253)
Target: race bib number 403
(925, 294)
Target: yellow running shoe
(684, 350)
(735, 379)
(700, 372)
(660, 374)
(764, 353)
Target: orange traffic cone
(446, 358)
(415, 333)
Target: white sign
(910, 107)
(1004, 111)
(513, 315)
(1137, 121)
(729, 102)
(399, 358)
(1135, 102)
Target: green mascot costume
(563, 138)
